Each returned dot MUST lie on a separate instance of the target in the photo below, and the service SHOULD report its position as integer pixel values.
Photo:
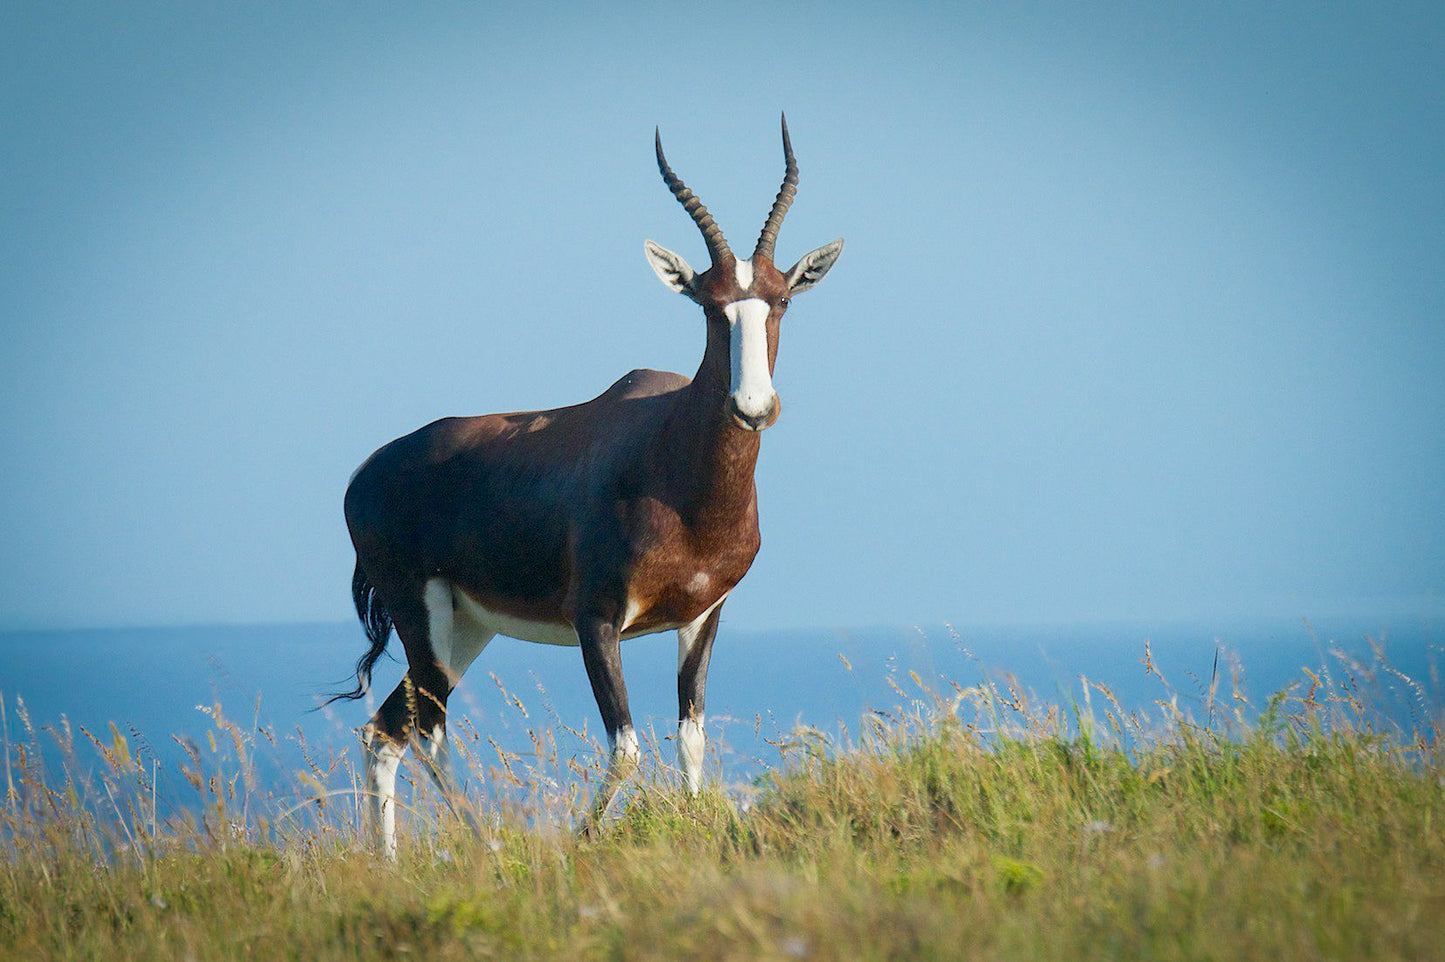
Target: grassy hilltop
(974, 825)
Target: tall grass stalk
(970, 821)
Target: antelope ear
(671, 269)
(812, 266)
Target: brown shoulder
(645, 382)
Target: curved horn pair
(717, 245)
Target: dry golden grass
(975, 825)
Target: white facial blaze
(744, 270)
(752, 384)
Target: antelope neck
(714, 458)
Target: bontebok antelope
(629, 514)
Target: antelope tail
(377, 622)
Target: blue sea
(160, 687)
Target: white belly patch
(549, 632)
(523, 629)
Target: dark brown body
(599, 507)
(632, 513)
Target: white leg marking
(470, 637)
(434, 744)
(691, 736)
(456, 641)
(439, 761)
(382, 760)
(625, 747)
(691, 743)
(439, 618)
(752, 386)
(626, 754)
(442, 769)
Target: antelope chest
(672, 588)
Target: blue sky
(1142, 313)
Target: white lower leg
(691, 742)
(626, 754)
(439, 758)
(438, 753)
(625, 757)
(382, 761)
(442, 768)
(626, 751)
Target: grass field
(972, 824)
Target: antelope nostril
(752, 422)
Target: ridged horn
(717, 245)
(786, 193)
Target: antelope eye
(785, 302)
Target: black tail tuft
(377, 622)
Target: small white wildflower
(495, 844)
(157, 901)
(1098, 825)
(796, 946)
(1156, 861)
(589, 912)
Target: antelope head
(745, 297)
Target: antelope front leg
(602, 654)
(694, 650)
